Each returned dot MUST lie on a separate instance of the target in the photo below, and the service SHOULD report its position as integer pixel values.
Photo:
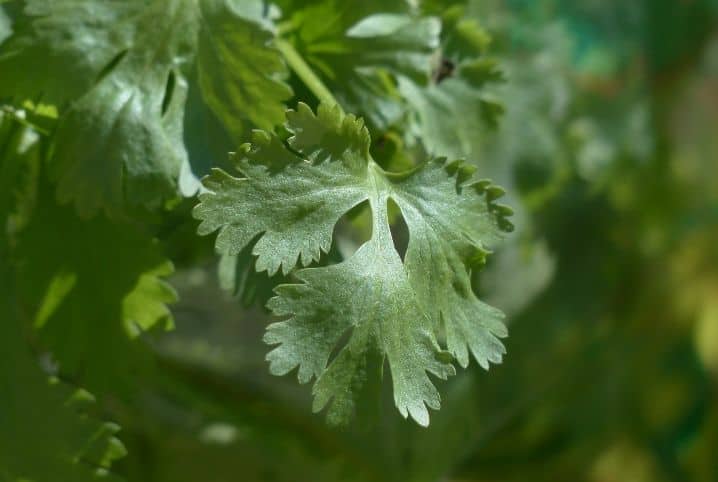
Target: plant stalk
(305, 72)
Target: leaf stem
(305, 72)
(20, 118)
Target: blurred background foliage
(609, 151)
(599, 118)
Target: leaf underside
(289, 197)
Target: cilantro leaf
(42, 435)
(460, 88)
(239, 72)
(5, 25)
(307, 198)
(461, 96)
(91, 327)
(361, 47)
(19, 151)
(120, 72)
(396, 309)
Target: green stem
(12, 112)
(305, 72)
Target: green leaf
(119, 143)
(461, 96)
(91, 324)
(43, 435)
(5, 25)
(239, 72)
(19, 152)
(460, 88)
(358, 47)
(121, 70)
(382, 305)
